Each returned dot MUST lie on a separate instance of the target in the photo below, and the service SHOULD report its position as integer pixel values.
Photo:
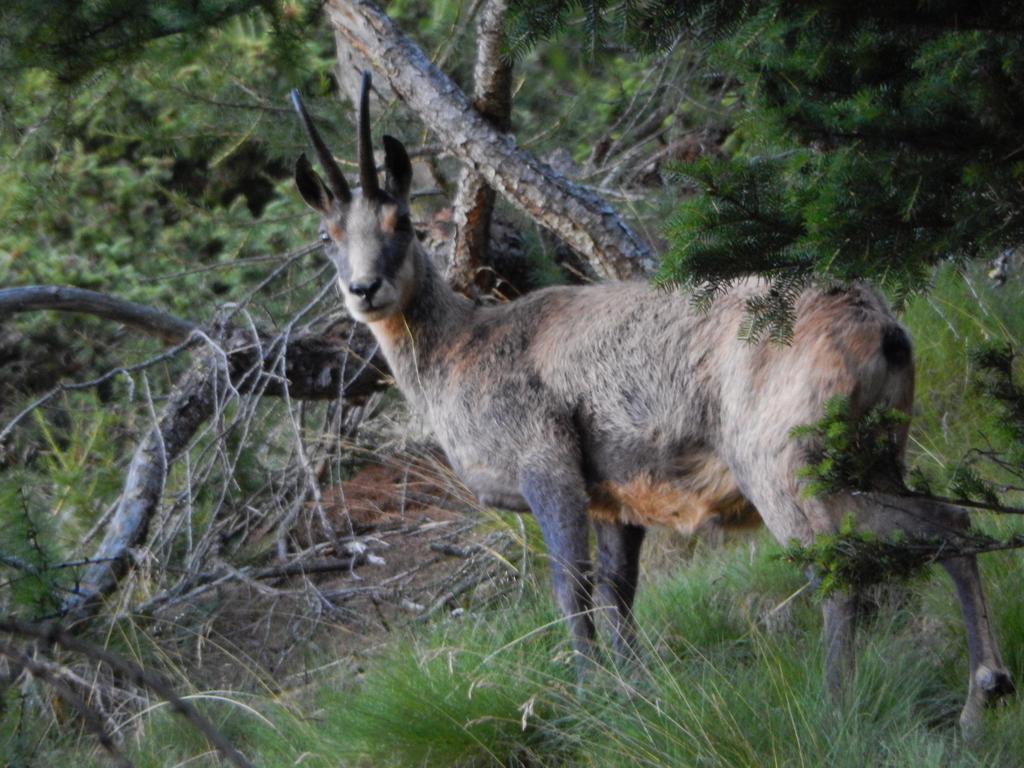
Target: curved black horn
(367, 169)
(335, 178)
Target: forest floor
(417, 556)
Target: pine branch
(853, 560)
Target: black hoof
(996, 684)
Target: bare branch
(189, 406)
(54, 634)
(64, 298)
(314, 366)
(282, 571)
(93, 721)
(583, 220)
(1002, 509)
(125, 371)
(313, 359)
(341, 360)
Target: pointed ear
(398, 178)
(311, 186)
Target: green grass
(947, 324)
(728, 679)
(478, 690)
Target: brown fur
(388, 218)
(707, 495)
(390, 331)
(334, 230)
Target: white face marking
(375, 278)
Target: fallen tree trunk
(342, 360)
(582, 219)
(339, 360)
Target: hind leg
(769, 482)
(884, 514)
(989, 679)
(618, 569)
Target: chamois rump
(617, 406)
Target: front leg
(556, 495)
(839, 612)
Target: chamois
(617, 406)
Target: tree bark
(474, 199)
(582, 219)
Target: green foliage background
(170, 161)
(880, 143)
(877, 139)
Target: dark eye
(324, 237)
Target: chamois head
(368, 235)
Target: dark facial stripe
(396, 249)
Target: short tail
(896, 347)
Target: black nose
(365, 290)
